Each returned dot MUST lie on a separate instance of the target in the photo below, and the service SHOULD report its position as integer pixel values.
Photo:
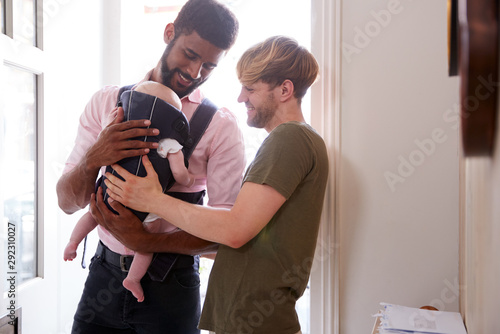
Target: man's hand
(112, 145)
(135, 192)
(115, 142)
(124, 226)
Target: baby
(169, 149)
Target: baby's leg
(83, 227)
(137, 270)
(161, 91)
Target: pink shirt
(217, 162)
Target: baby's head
(161, 91)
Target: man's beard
(167, 75)
(263, 113)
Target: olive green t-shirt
(253, 289)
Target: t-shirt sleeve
(282, 161)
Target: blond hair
(275, 60)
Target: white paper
(401, 319)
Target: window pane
(24, 21)
(18, 172)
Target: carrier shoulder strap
(163, 262)
(198, 125)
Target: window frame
(29, 57)
(325, 118)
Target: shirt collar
(195, 97)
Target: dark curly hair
(213, 21)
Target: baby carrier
(172, 123)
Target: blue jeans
(171, 306)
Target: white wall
(399, 238)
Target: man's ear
(169, 33)
(286, 90)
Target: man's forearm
(129, 230)
(174, 242)
(74, 188)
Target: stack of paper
(396, 319)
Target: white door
(23, 272)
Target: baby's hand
(70, 251)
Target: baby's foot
(70, 251)
(134, 287)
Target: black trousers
(171, 306)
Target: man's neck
(285, 116)
(155, 74)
